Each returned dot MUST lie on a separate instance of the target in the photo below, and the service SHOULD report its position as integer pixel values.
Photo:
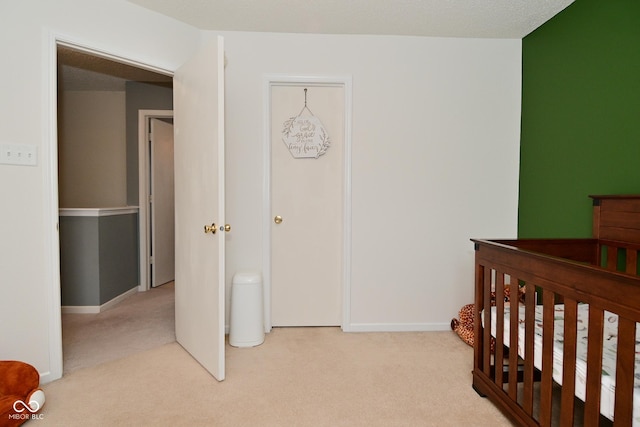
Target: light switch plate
(18, 154)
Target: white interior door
(307, 196)
(162, 202)
(199, 202)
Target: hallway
(143, 321)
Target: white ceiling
(429, 18)
(512, 19)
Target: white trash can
(246, 321)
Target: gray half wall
(98, 255)
(79, 261)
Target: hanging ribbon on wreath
(305, 136)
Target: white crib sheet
(609, 353)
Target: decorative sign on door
(304, 135)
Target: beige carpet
(124, 368)
(142, 321)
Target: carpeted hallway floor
(142, 321)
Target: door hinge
(151, 260)
(150, 198)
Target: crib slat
(612, 257)
(594, 366)
(477, 319)
(632, 261)
(513, 348)
(499, 349)
(625, 372)
(529, 325)
(486, 338)
(567, 399)
(546, 387)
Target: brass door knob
(210, 228)
(277, 219)
(226, 228)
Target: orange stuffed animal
(20, 395)
(464, 326)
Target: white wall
(435, 157)
(27, 229)
(92, 150)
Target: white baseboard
(397, 327)
(95, 309)
(46, 377)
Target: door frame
(345, 82)
(144, 213)
(49, 157)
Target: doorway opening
(98, 182)
(156, 198)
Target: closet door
(307, 208)
(162, 207)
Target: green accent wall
(580, 115)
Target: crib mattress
(609, 353)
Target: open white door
(198, 88)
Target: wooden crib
(581, 301)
